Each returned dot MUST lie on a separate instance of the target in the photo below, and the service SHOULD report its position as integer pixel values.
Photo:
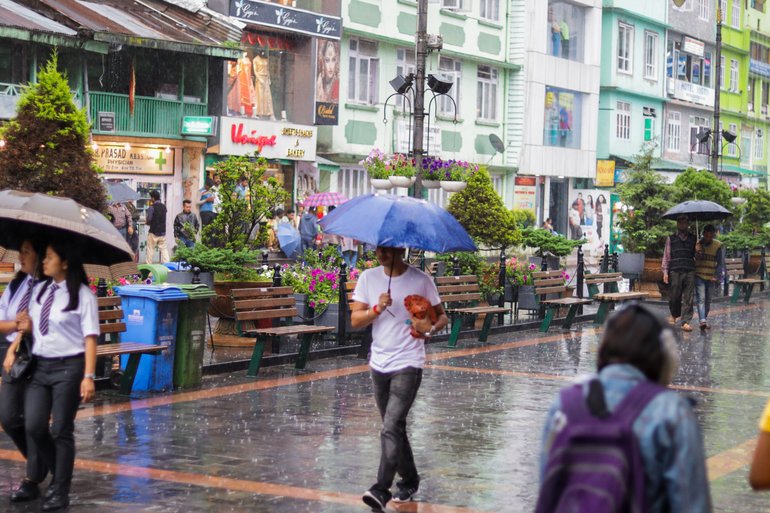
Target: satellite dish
(496, 143)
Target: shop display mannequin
(246, 86)
(233, 89)
(263, 101)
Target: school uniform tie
(25, 298)
(46, 312)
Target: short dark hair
(290, 211)
(633, 336)
(709, 228)
(155, 195)
(186, 202)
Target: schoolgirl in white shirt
(64, 318)
(16, 299)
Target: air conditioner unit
(649, 112)
(452, 4)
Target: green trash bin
(159, 272)
(191, 335)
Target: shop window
(404, 66)
(650, 55)
(625, 47)
(732, 148)
(759, 144)
(623, 121)
(486, 97)
(562, 118)
(688, 67)
(490, 9)
(697, 125)
(363, 72)
(673, 131)
(451, 70)
(566, 30)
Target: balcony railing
(10, 95)
(152, 116)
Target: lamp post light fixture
(415, 83)
(717, 90)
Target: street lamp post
(717, 88)
(420, 55)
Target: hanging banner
(605, 173)
(327, 84)
(287, 18)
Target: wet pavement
(296, 441)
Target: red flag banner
(132, 89)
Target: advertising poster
(524, 190)
(560, 118)
(605, 173)
(327, 85)
(589, 219)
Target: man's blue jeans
(704, 289)
(394, 393)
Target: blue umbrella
(400, 222)
(119, 192)
(288, 238)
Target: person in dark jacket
(186, 225)
(308, 229)
(678, 268)
(156, 220)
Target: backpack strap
(573, 403)
(637, 400)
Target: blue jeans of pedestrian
(187, 242)
(394, 393)
(350, 258)
(704, 289)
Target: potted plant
(455, 175)
(519, 277)
(401, 171)
(431, 174)
(549, 246)
(376, 167)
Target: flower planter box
(381, 183)
(431, 184)
(452, 186)
(401, 181)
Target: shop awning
(149, 23)
(742, 170)
(669, 165)
(326, 165)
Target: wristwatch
(89, 375)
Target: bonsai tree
(546, 242)
(524, 217)
(481, 211)
(646, 196)
(228, 264)
(46, 144)
(241, 215)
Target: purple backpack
(594, 464)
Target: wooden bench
(111, 324)
(549, 283)
(610, 294)
(741, 284)
(276, 304)
(460, 296)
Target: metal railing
(152, 116)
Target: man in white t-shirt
(397, 359)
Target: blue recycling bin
(150, 313)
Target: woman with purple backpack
(621, 440)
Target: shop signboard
(589, 219)
(327, 84)
(693, 46)
(524, 191)
(605, 173)
(273, 140)
(106, 122)
(199, 125)
(139, 160)
(274, 15)
(431, 139)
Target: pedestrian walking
(678, 268)
(64, 320)
(206, 203)
(308, 229)
(349, 249)
(133, 239)
(620, 440)
(709, 271)
(396, 362)
(15, 300)
(121, 219)
(186, 225)
(156, 220)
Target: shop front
(288, 147)
(172, 167)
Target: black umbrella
(699, 210)
(104, 249)
(119, 192)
